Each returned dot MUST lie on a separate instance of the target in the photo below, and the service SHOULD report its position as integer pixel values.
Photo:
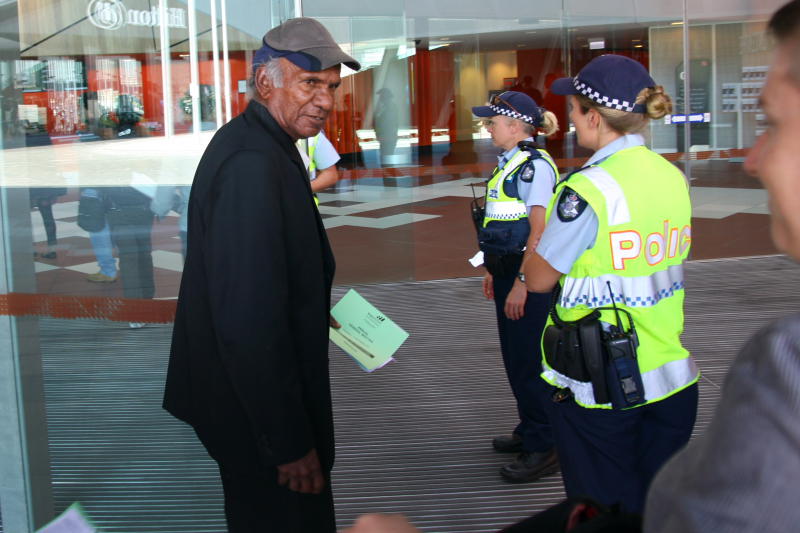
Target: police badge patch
(570, 205)
(527, 172)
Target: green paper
(367, 335)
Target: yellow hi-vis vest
(499, 206)
(643, 237)
(311, 146)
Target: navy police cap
(610, 80)
(512, 104)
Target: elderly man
(249, 360)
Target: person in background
(131, 222)
(92, 209)
(175, 199)
(43, 198)
(517, 194)
(320, 157)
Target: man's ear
(263, 83)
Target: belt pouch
(592, 349)
(562, 351)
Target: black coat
(249, 360)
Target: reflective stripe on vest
(499, 206)
(505, 210)
(658, 383)
(616, 205)
(640, 291)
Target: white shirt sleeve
(325, 155)
(562, 243)
(540, 190)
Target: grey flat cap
(308, 44)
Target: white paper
(70, 521)
(477, 259)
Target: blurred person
(517, 195)
(612, 253)
(526, 86)
(320, 158)
(249, 361)
(174, 199)
(741, 474)
(131, 222)
(43, 198)
(92, 209)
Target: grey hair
(274, 72)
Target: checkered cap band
(513, 114)
(591, 94)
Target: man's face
(304, 101)
(775, 158)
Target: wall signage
(113, 15)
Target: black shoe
(506, 444)
(530, 466)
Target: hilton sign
(112, 15)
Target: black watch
(521, 277)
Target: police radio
(477, 209)
(623, 377)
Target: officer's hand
(515, 302)
(382, 523)
(488, 287)
(303, 475)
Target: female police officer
(516, 198)
(618, 232)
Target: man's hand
(515, 301)
(382, 523)
(303, 475)
(333, 322)
(488, 288)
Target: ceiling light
(597, 43)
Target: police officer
(320, 158)
(618, 231)
(516, 198)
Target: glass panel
(87, 126)
(93, 192)
(729, 58)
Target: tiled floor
(415, 224)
